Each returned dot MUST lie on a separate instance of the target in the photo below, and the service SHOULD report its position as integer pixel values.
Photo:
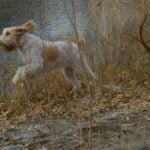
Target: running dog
(39, 55)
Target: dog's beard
(9, 47)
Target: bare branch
(141, 39)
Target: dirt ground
(116, 130)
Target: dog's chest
(26, 58)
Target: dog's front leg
(26, 71)
(20, 74)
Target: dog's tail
(81, 40)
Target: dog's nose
(1, 43)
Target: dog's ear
(29, 26)
(26, 27)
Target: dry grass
(51, 92)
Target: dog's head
(10, 37)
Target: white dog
(40, 56)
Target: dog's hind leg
(70, 75)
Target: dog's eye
(7, 33)
(19, 30)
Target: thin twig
(90, 103)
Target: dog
(39, 55)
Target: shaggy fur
(40, 56)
